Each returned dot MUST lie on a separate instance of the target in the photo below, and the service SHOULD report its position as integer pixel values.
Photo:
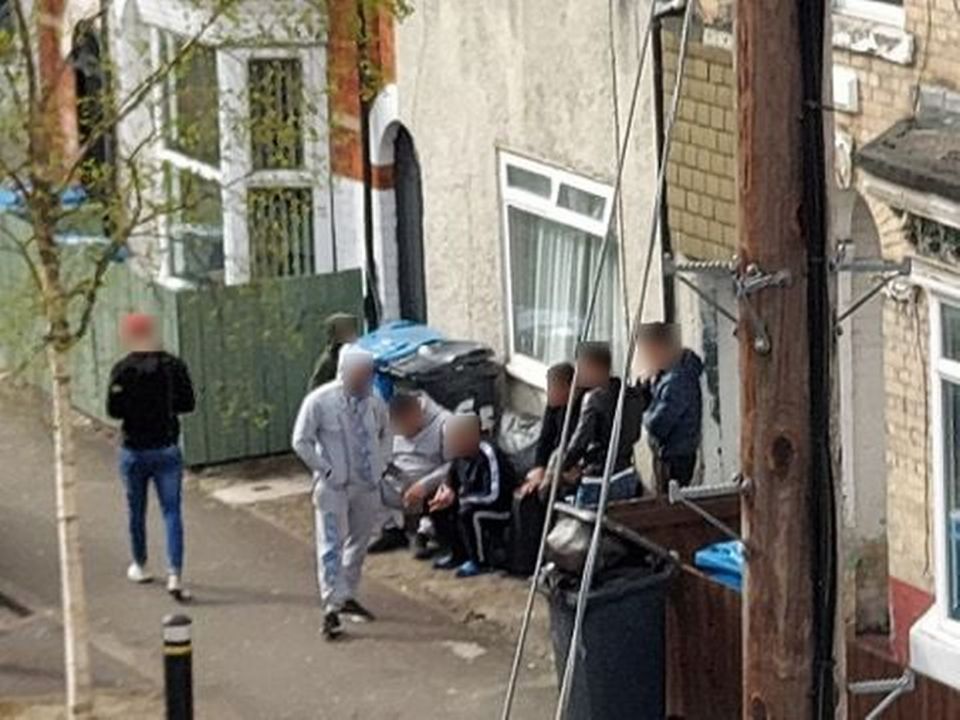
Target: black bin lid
(443, 355)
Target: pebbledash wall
(532, 79)
(883, 53)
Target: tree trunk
(76, 634)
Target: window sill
(878, 39)
(935, 649)
(529, 371)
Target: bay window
(554, 225)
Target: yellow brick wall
(887, 93)
(702, 217)
(701, 193)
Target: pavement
(258, 651)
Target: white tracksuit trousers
(345, 520)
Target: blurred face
(139, 339)
(591, 374)
(409, 422)
(558, 392)
(358, 379)
(657, 355)
(463, 438)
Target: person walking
(149, 388)
(342, 435)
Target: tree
(63, 113)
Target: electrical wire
(590, 564)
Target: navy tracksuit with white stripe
(484, 484)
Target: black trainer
(423, 549)
(332, 629)
(390, 539)
(357, 612)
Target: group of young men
(410, 463)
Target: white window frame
(527, 369)
(235, 173)
(935, 637)
(880, 12)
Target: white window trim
(522, 367)
(235, 173)
(880, 12)
(935, 638)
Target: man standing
(342, 435)
(342, 329)
(148, 389)
(674, 415)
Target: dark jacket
(147, 391)
(673, 418)
(325, 368)
(590, 440)
(485, 480)
(551, 428)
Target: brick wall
(701, 193)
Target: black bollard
(178, 667)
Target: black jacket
(551, 428)
(588, 446)
(148, 390)
(486, 480)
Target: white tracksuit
(347, 506)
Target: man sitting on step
(471, 510)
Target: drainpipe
(371, 303)
(666, 247)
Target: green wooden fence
(250, 348)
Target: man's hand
(415, 496)
(532, 482)
(444, 498)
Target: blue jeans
(165, 467)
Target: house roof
(921, 153)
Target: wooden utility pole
(782, 232)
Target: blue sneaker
(469, 569)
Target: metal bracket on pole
(893, 687)
(886, 270)
(688, 496)
(753, 280)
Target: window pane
(951, 332)
(191, 100)
(196, 228)
(580, 201)
(280, 225)
(552, 267)
(276, 107)
(529, 181)
(951, 443)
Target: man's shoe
(137, 573)
(446, 562)
(176, 589)
(390, 539)
(332, 629)
(422, 547)
(357, 612)
(470, 569)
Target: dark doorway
(409, 197)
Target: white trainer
(138, 574)
(176, 589)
